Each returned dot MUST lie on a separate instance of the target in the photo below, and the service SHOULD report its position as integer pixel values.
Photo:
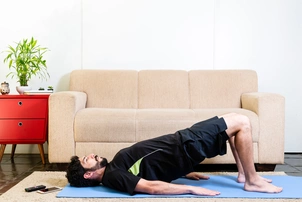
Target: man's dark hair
(75, 174)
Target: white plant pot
(21, 89)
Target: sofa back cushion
(163, 89)
(106, 88)
(172, 89)
(220, 88)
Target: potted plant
(25, 61)
(50, 88)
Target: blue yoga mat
(225, 184)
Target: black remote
(29, 189)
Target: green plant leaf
(26, 60)
(10, 63)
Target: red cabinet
(23, 120)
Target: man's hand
(197, 176)
(203, 192)
(160, 187)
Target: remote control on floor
(30, 189)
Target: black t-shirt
(162, 158)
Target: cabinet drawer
(23, 108)
(22, 130)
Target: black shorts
(205, 139)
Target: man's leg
(241, 176)
(239, 132)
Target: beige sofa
(106, 110)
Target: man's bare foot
(267, 180)
(261, 185)
(241, 178)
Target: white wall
(263, 35)
(56, 24)
(157, 34)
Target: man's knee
(245, 122)
(236, 122)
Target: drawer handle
(20, 124)
(20, 103)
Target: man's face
(93, 162)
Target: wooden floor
(12, 172)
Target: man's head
(84, 172)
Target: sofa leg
(265, 167)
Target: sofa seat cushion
(140, 124)
(155, 122)
(202, 114)
(151, 123)
(105, 125)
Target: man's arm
(160, 187)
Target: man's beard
(104, 162)
(98, 164)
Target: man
(149, 166)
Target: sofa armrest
(270, 109)
(63, 107)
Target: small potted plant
(25, 61)
(50, 88)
